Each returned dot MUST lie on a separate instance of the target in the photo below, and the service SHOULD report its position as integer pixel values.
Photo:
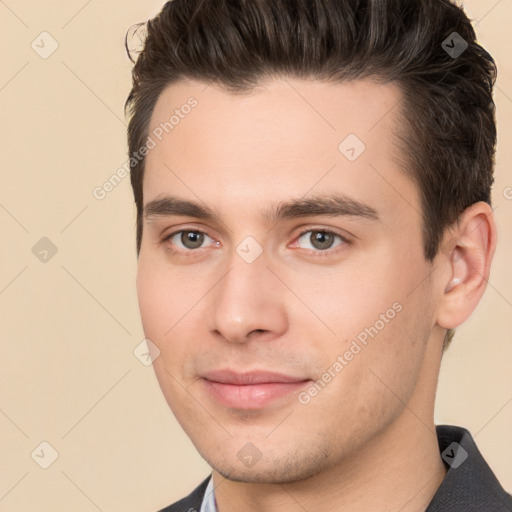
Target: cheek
(159, 293)
(390, 363)
(153, 304)
(167, 301)
(157, 304)
(160, 311)
(379, 320)
(349, 302)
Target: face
(281, 327)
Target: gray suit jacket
(469, 484)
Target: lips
(250, 390)
(248, 378)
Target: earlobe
(466, 264)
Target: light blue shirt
(209, 504)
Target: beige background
(69, 326)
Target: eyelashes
(200, 237)
(333, 234)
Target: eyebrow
(333, 205)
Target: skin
(367, 439)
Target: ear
(465, 264)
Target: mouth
(250, 390)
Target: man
(312, 181)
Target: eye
(190, 239)
(321, 239)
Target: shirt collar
(208, 504)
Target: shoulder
(192, 502)
(469, 485)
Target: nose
(248, 302)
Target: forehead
(298, 106)
(285, 138)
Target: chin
(272, 470)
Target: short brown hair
(427, 47)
